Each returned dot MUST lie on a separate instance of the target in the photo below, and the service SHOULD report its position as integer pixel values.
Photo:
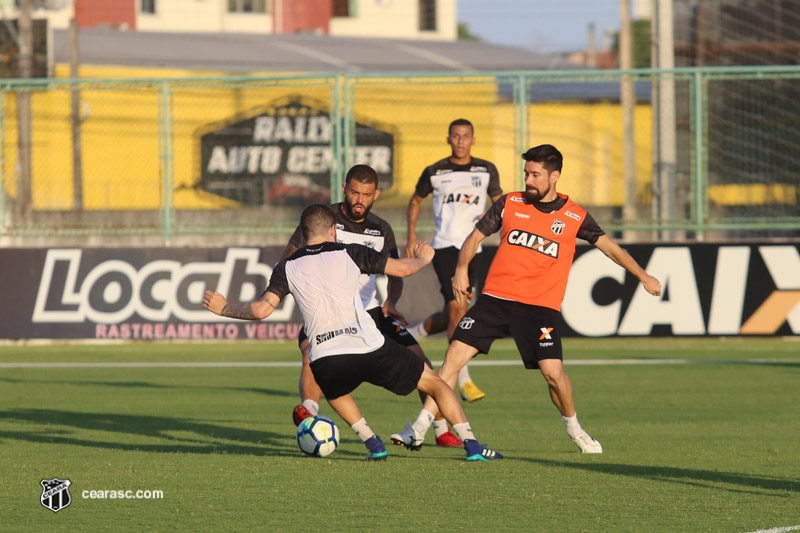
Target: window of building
(149, 6)
(247, 6)
(427, 15)
(341, 8)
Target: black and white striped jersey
(373, 232)
(460, 195)
(324, 281)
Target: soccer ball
(318, 435)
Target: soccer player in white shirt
(460, 185)
(347, 348)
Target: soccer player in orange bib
(525, 287)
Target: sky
(541, 25)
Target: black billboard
(282, 153)
(138, 294)
(157, 293)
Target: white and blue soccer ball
(318, 435)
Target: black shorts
(444, 263)
(393, 367)
(388, 326)
(535, 329)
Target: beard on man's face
(532, 195)
(352, 215)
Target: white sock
(573, 426)
(423, 422)
(312, 406)
(464, 431)
(440, 427)
(418, 330)
(363, 430)
(463, 376)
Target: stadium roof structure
(238, 53)
(235, 52)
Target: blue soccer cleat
(479, 452)
(376, 451)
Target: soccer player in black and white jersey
(356, 224)
(460, 185)
(346, 347)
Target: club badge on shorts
(55, 494)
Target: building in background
(143, 138)
(409, 19)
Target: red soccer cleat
(299, 414)
(449, 440)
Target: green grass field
(712, 445)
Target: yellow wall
(122, 167)
(588, 134)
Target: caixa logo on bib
(114, 290)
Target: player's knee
(457, 310)
(458, 354)
(430, 380)
(554, 376)
(438, 386)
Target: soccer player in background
(460, 185)
(346, 348)
(356, 224)
(525, 286)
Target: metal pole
(24, 126)
(655, 186)
(77, 167)
(166, 161)
(351, 125)
(700, 177)
(337, 176)
(666, 115)
(522, 135)
(349, 130)
(591, 47)
(628, 101)
(4, 215)
(347, 147)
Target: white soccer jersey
(459, 197)
(368, 283)
(324, 280)
(372, 232)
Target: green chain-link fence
(691, 153)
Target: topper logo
(113, 290)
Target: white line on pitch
(476, 362)
(778, 529)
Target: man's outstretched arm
(607, 245)
(421, 255)
(461, 276)
(411, 218)
(257, 310)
